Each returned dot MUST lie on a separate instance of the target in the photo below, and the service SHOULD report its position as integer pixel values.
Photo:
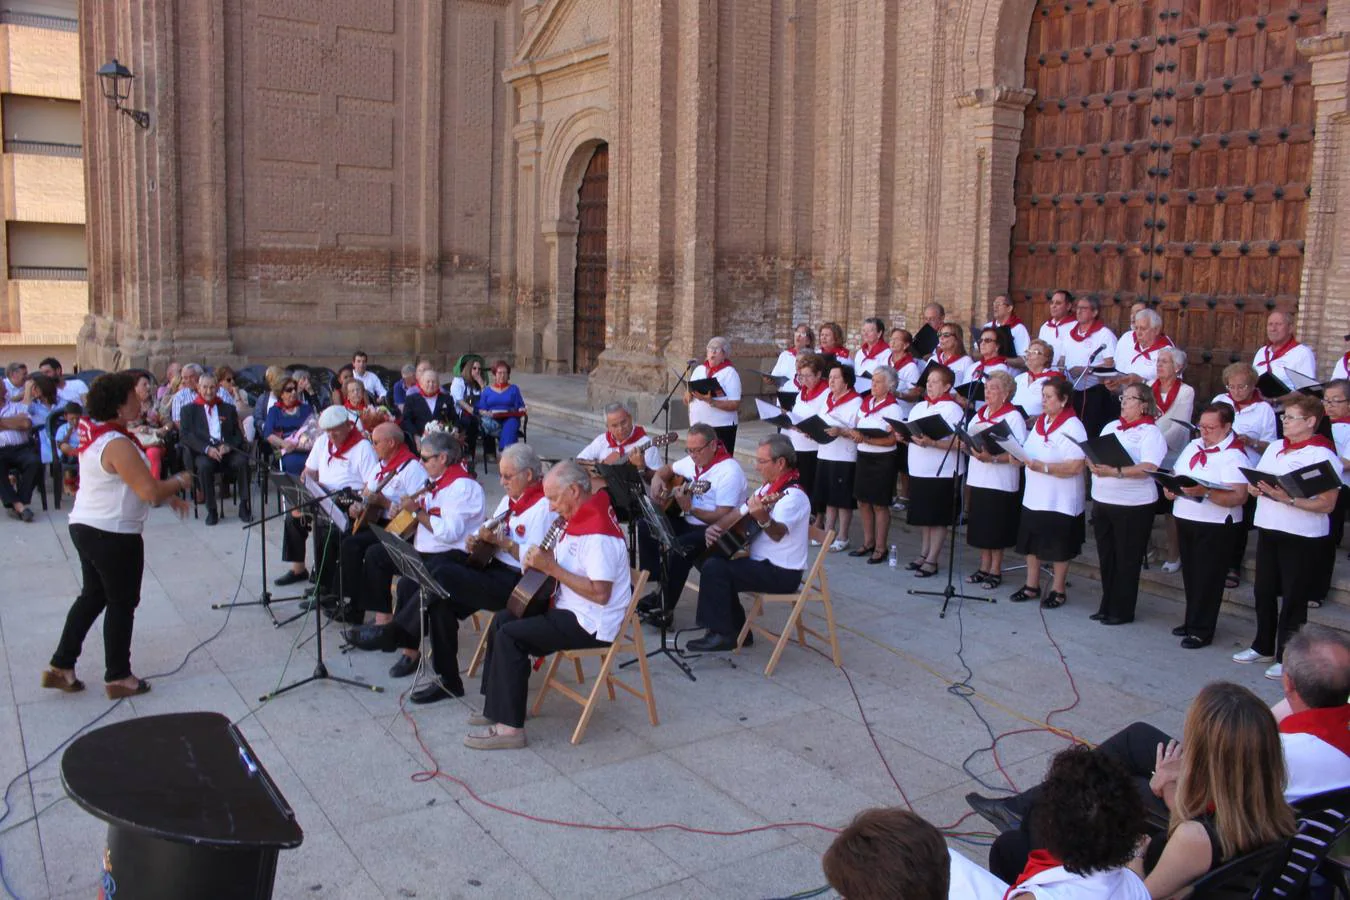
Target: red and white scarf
(89, 431)
(596, 516)
(1045, 431)
(1096, 326)
(1165, 403)
(1330, 724)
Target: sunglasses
(288, 390)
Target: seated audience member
(290, 428)
(364, 413)
(39, 394)
(16, 373)
(406, 385)
(777, 555)
(229, 391)
(20, 456)
(273, 378)
(210, 430)
(465, 390)
(68, 445)
(172, 382)
(189, 377)
(590, 563)
(369, 380)
(501, 407)
(893, 854)
(306, 389)
(148, 427)
(428, 404)
(68, 390)
(344, 375)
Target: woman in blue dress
(289, 428)
(502, 404)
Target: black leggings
(112, 566)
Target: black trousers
(234, 464)
(721, 581)
(673, 567)
(408, 602)
(1122, 540)
(1206, 549)
(26, 463)
(506, 665)
(471, 590)
(727, 435)
(1096, 407)
(111, 567)
(327, 550)
(1136, 747)
(373, 589)
(1330, 544)
(1288, 571)
(352, 566)
(1239, 551)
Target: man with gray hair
(621, 440)
(188, 376)
(405, 385)
(1315, 732)
(1283, 352)
(16, 373)
(1137, 350)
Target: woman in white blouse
(994, 351)
(1052, 528)
(1254, 425)
(1123, 498)
(995, 507)
(718, 412)
(811, 371)
(803, 339)
(874, 479)
(1290, 533)
(951, 352)
(1175, 402)
(932, 470)
(908, 391)
(1090, 343)
(837, 460)
(1027, 396)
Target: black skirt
(874, 480)
(1050, 536)
(834, 484)
(931, 502)
(806, 467)
(991, 523)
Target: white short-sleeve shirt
(793, 510)
(1255, 420)
(1028, 393)
(703, 412)
(601, 448)
(1020, 336)
(960, 367)
(1078, 347)
(527, 529)
(456, 511)
(845, 414)
(928, 462)
(728, 487)
(1277, 516)
(1217, 466)
(1145, 444)
(1133, 359)
(1278, 360)
(1340, 433)
(409, 479)
(1050, 493)
(351, 470)
(867, 362)
(906, 378)
(599, 557)
(1342, 367)
(1055, 334)
(870, 416)
(997, 476)
(805, 408)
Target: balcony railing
(44, 148)
(48, 273)
(37, 20)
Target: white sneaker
(1275, 672)
(838, 545)
(815, 543)
(1172, 566)
(1251, 656)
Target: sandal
(924, 572)
(54, 679)
(991, 580)
(915, 565)
(1054, 600)
(977, 577)
(1024, 593)
(117, 691)
(877, 559)
(861, 551)
(1314, 604)
(1231, 580)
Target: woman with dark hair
(832, 342)
(951, 352)
(501, 406)
(39, 392)
(933, 466)
(366, 414)
(995, 349)
(908, 391)
(148, 427)
(873, 352)
(837, 461)
(812, 388)
(116, 492)
(465, 390)
(1090, 343)
(1027, 396)
(874, 480)
(290, 428)
(995, 504)
(803, 339)
(1254, 426)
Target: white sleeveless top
(104, 500)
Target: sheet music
(335, 515)
(1014, 449)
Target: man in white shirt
(713, 485)
(68, 390)
(1282, 351)
(620, 441)
(374, 387)
(1055, 329)
(18, 454)
(16, 373)
(1006, 316)
(781, 512)
(590, 563)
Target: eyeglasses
(1336, 400)
(988, 340)
(763, 462)
(946, 334)
(289, 389)
(507, 476)
(426, 458)
(698, 449)
(1286, 417)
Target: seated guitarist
(619, 442)
(778, 554)
(525, 518)
(590, 563)
(707, 461)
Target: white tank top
(104, 500)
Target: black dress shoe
(405, 666)
(437, 689)
(1179, 631)
(291, 578)
(650, 603)
(1191, 642)
(658, 618)
(1114, 620)
(995, 812)
(372, 637)
(1097, 616)
(712, 642)
(212, 517)
(245, 513)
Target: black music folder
(1106, 450)
(1174, 482)
(1300, 484)
(925, 341)
(1271, 386)
(778, 380)
(709, 386)
(987, 440)
(787, 400)
(972, 391)
(931, 426)
(814, 428)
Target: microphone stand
(1077, 382)
(682, 378)
(265, 598)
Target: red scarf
(354, 437)
(781, 483)
(1330, 724)
(873, 351)
(347, 404)
(431, 398)
(1044, 373)
(1269, 357)
(209, 404)
(448, 477)
(1203, 453)
(839, 352)
(638, 434)
(1165, 403)
(986, 416)
(1038, 861)
(1315, 441)
(1341, 420)
(290, 407)
(1161, 342)
(712, 370)
(1122, 425)
(1012, 322)
(867, 404)
(1065, 415)
(948, 397)
(596, 516)
(831, 401)
(1255, 399)
(719, 455)
(1095, 327)
(1058, 323)
(89, 431)
(946, 360)
(899, 362)
(533, 494)
(986, 364)
(1345, 362)
(814, 392)
(401, 456)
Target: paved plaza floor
(908, 720)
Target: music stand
(409, 564)
(665, 539)
(682, 378)
(265, 599)
(327, 515)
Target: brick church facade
(602, 185)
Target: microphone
(1096, 353)
(693, 363)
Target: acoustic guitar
(658, 440)
(534, 590)
(681, 485)
(740, 533)
(482, 552)
(360, 520)
(404, 522)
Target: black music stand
(409, 564)
(682, 378)
(265, 599)
(665, 539)
(327, 515)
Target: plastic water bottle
(892, 561)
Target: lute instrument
(681, 485)
(483, 551)
(740, 533)
(404, 522)
(657, 440)
(359, 522)
(531, 595)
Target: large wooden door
(1166, 158)
(588, 328)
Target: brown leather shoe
(54, 679)
(494, 741)
(117, 691)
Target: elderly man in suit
(210, 430)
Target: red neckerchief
(839, 352)
(1065, 415)
(934, 401)
(638, 434)
(1165, 403)
(1057, 324)
(1203, 453)
(831, 401)
(1161, 342)
(354, 437)
(1012, 322)
(90, 431)
(719, 455)
(813, 393)
(1038, 861)
(946, 360)
(712, 370)
(1122, 425)
(448, 477)
(1255, 399)
(347, 404)
(1345, 362)
(596, 516)
(986, 416)
(1044, 373)
(1096, 326)
(899, 362)
(987, 363)
(430, 398)
(533, 494)
(872, 352)
(780, 484)
(792, 351)
(1330, 724)
(1341, 420)
(209, 404)
(292, 407)
(401, 456)
(1283, 349)
(1315, 441)
(868, 408)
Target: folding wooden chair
(628, 640)
(815, 589)
(476, 662)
